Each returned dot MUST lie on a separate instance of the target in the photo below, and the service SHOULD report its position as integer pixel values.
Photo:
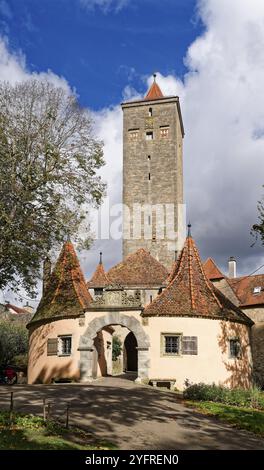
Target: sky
(208, 52)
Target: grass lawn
(242, 418)
(31, 433)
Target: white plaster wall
(212, 364)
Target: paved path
(132, 416)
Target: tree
(49, 159)
(13, 341)
(258, 229)
(117, 348)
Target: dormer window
(257, 290)
(98, 291)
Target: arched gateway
(86, 345)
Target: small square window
(65, 345)
(149, 135)
(171, 345)
(234, 348)
(257, 290)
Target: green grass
(29, 432)
(239, 417)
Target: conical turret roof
(154, 92)
(66, 294)
(99, 277)
(190, 293)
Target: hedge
(252, 398)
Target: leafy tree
(258, 229)
(49, 159)
(117, 348)
(13, 341)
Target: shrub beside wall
(252, 398)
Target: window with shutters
(189, 345)
(52, 347)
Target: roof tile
(139, 269)
(66, 294)
(190, 293)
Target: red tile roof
(99, 278)
(154, 93)
(16, 309)
(66, 294)
(244, 289)
(190, 293)
(138, 269)
(211, 270)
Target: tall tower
(152, 174)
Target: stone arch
(86, 345)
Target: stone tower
(152, 175)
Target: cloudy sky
(209, 52)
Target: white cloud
(105, 5)
(223, 110)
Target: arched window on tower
(150, 112)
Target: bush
(13, 340)
(117, 348)
(252, 398)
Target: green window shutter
(190, 345)
(52, 347)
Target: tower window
(149, 176)
(133, 134)
(149, 220)
(149, 135)
(149, 157)
(150, 112)
(164, 132)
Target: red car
(8, 375)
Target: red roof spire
(154, 92)
(190, 293)
(99, 278)
(66, 294)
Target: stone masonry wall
(161, 158)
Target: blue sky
(99, 50)
(208, 52)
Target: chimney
(231, 267)
(46, 273)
